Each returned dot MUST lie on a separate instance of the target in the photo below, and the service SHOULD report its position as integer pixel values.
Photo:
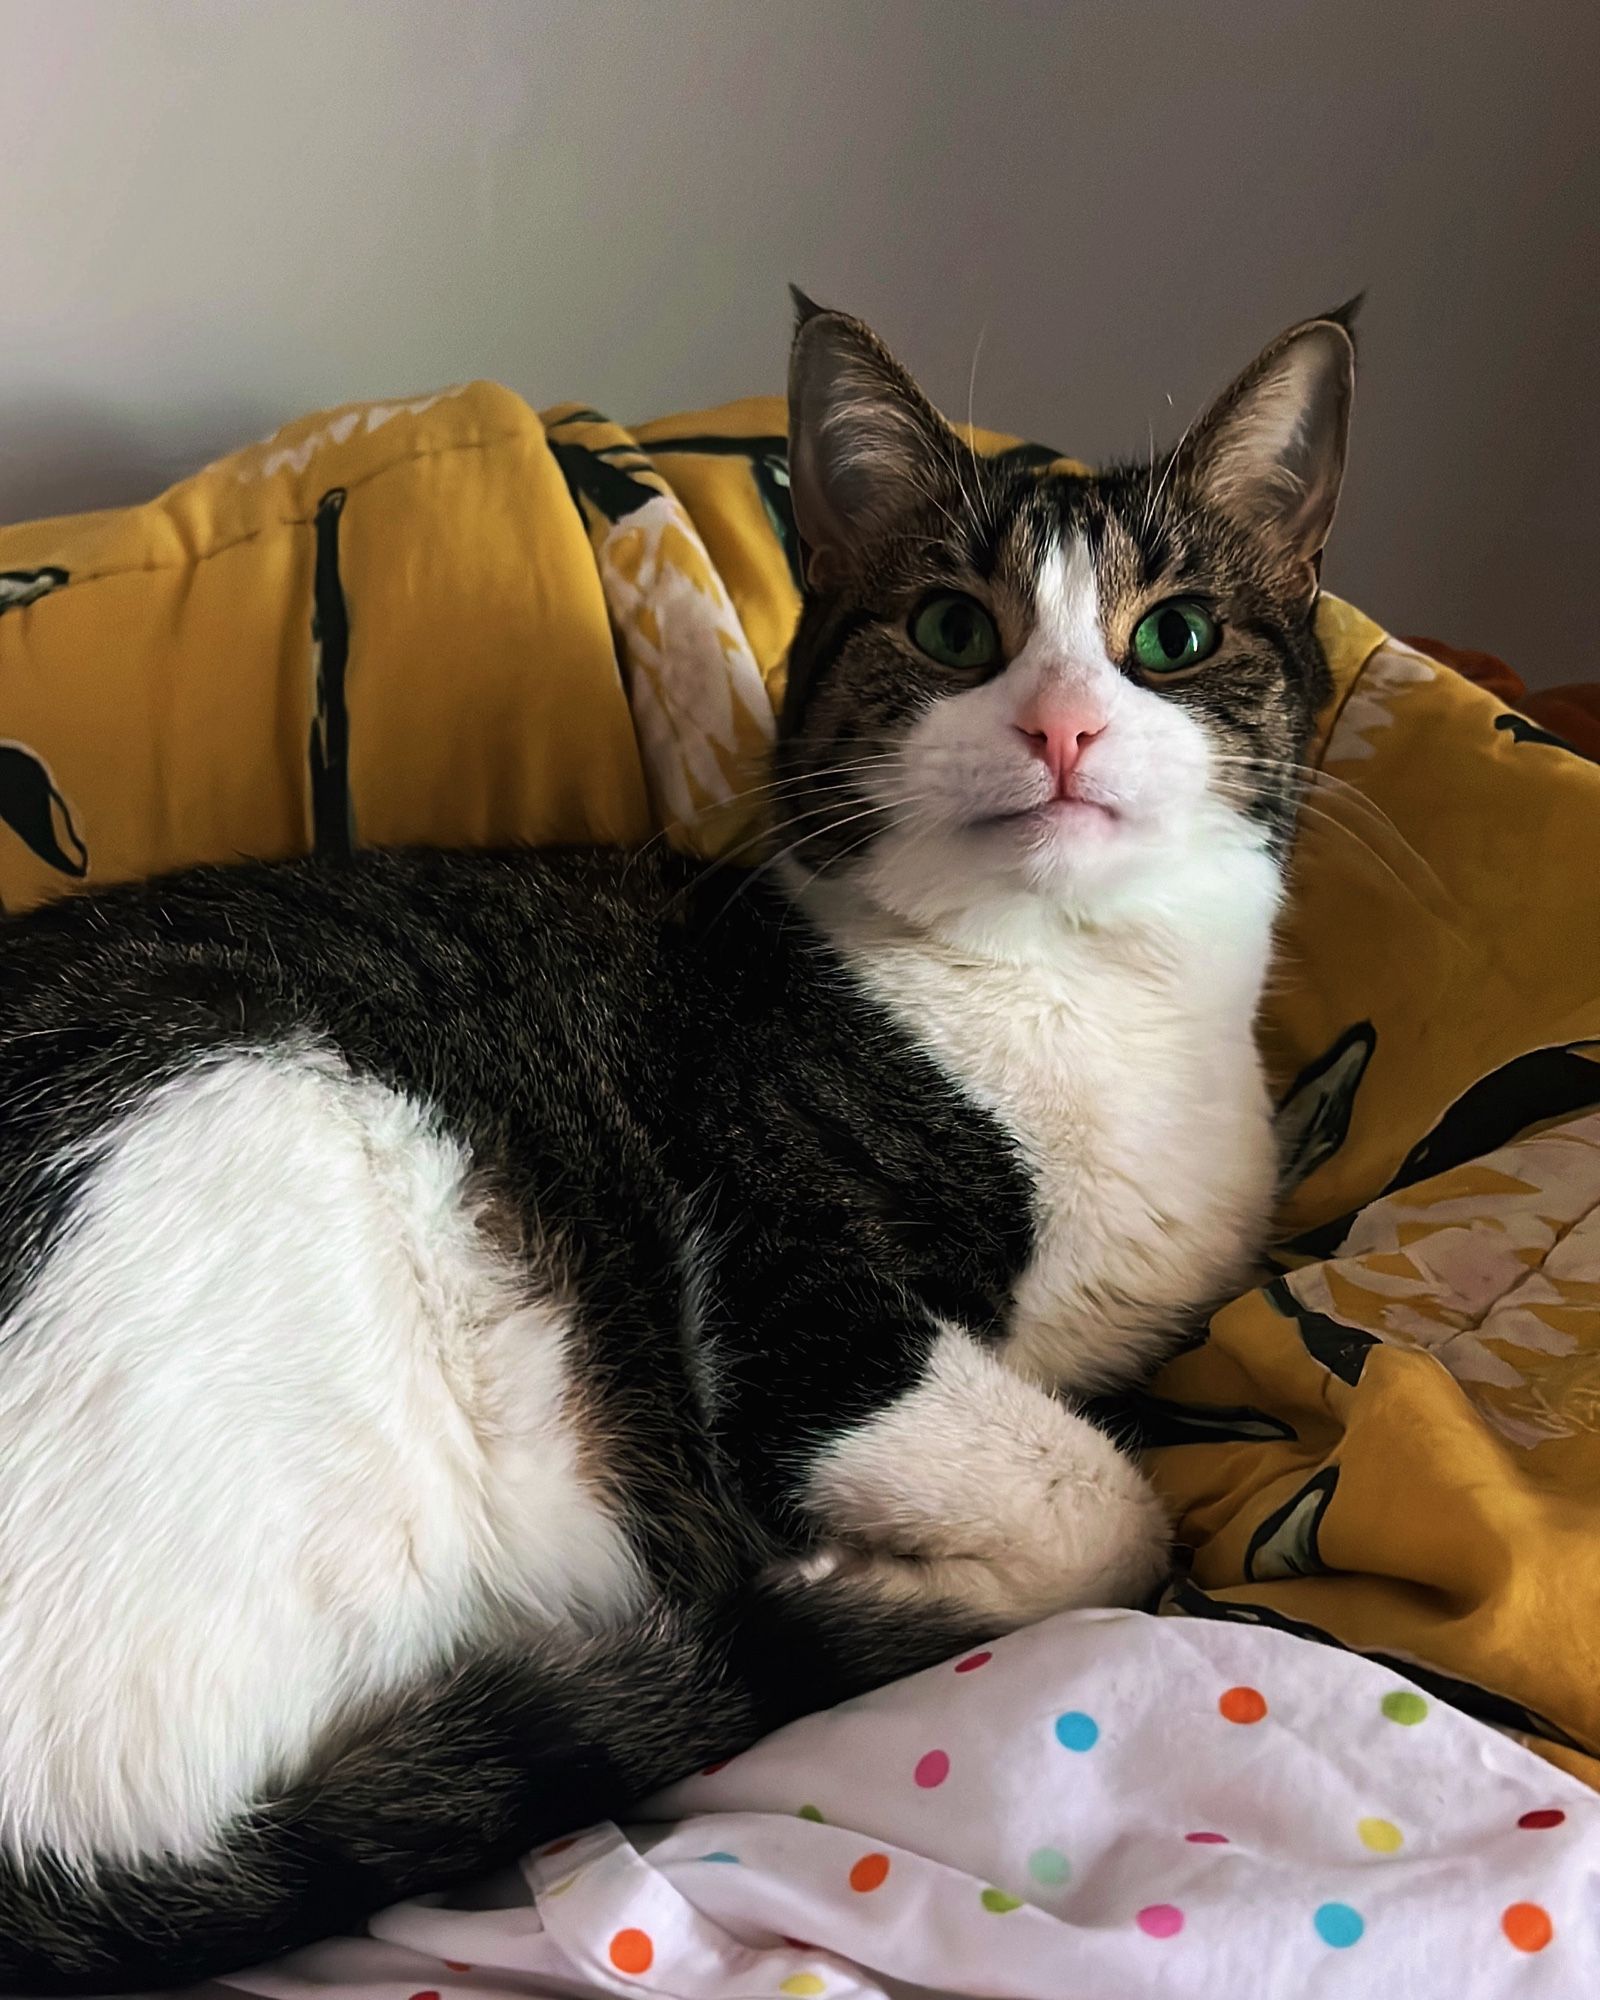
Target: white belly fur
(279, 1431)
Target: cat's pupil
(958, 628)
(1172, 630)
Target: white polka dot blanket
(1107, 1806)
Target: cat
(482, 1335)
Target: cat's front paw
(979, 1490)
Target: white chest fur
(1123, 1064)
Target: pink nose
(1058, 738)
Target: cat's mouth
(1057, 815)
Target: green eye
(1177, 634)
(956, 631)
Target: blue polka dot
(719, 1856)
(1337, 1924)
(1077, 1731)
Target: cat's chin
(1064, 847)
(1084, 863)
(1087, 864)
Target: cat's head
(1012, 686)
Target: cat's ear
(863, 439)
(1270, 452)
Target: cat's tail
(457, 1778)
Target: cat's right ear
(863, 439)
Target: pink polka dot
(972, 1662)
(932, 1770)
(1207, 1839)
(1160, 1920)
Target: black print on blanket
(1521, 730)
(26, 586)
(332, 812)
(36, 812)
(1313, 1117)
(1286, 1542)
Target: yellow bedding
(452, 620)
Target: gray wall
(223, 212)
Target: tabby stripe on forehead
(1159, 559)
(982, 544)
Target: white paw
(980, 1489)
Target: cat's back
(483, 983)
(324, 926)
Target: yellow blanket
(453, 621)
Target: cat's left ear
(863, 439)
(1270, 452)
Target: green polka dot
(1401, 1705)
(1049, 1866)
(810, 1812)
(998, 1901)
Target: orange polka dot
(632, 1951)
(1527, 1926)
(870, 1872)
(1243, 1705)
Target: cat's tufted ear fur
(1270, 452)
(862, 437)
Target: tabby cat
(483, 1334)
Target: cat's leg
(979, 1491)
